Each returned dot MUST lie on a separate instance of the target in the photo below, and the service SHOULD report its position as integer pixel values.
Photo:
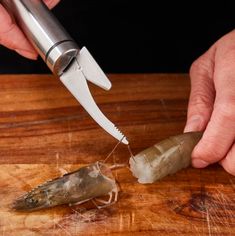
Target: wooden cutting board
(44, 132)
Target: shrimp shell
(87, 183)
(164, 158)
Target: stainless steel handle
(44, 31)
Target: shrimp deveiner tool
(63, 56)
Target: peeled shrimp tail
(164, 158)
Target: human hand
(212, 105)
(13, 38)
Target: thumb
(202, 93)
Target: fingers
(219, 135)
(51, 3)
(12, 37)
(202, 92)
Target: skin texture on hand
(13, 38)
(212, 105)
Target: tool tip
(124, 140)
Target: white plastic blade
(76, 83)
(91, 69)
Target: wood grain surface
(44, 132)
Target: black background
(137, 36)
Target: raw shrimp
(87, 183)
(164, 158)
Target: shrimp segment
(87, 183)
(164, 158)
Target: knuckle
(202, 66)
(200, 103)
(6, 38)
(8, 27)
(9, 30)
(226, 112)
(11, 38)
(195, 67)
(199, 98)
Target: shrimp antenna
(131, 153)
(113, 150)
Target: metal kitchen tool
(63, 56)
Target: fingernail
(197, 163)
(193, 124)
(27, 54)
